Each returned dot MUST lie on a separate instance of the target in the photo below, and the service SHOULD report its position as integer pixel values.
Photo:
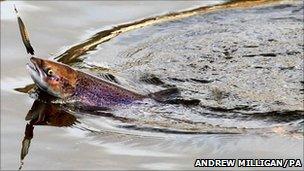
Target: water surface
(249, 80)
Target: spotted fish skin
(97, 92)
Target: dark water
(245, 66)
(247, 78)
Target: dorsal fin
(109, 77)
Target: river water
(245, 67)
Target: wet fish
(64, 82)
(24, 34)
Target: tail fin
(164, 95)
(172, 96)
(185, 102)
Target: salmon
(62, 81)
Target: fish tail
(164, 95)
(173, 96)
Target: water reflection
(46, 113)
(43, 113)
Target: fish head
(52, 77)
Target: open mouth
(34, 68)
(36, 73)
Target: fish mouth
(37, 73)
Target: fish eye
(49, 72)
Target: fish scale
(101, 93)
